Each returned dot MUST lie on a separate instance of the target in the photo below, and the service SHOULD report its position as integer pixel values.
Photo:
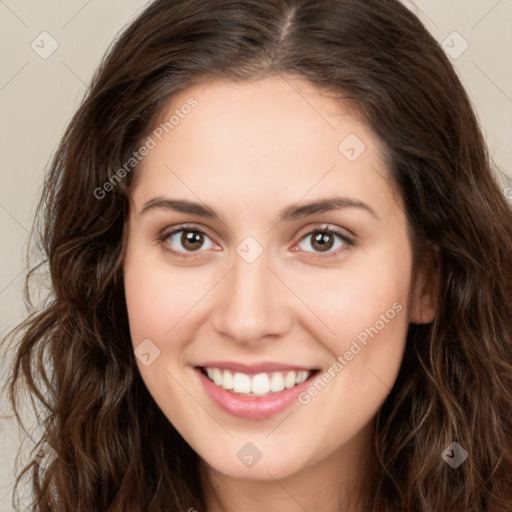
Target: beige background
(38, 97)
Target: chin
(255, 461)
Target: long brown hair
(116, 449)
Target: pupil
(320, 238)
(191, 238)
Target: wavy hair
(116, 449)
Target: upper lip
(253, 368)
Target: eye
(190, 239)
(323, 239)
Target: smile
(255, 391)
(260, 384)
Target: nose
(252, 303)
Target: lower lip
(252, 407)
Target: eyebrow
(292, 212)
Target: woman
(237, 365)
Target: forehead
(277, 139)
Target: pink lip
(253, 368)
(251, 407)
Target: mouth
(254, 391)
(256, 384)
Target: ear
(425, 287)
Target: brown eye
(191, 240)
(324, 241)
(183, 241)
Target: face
(269, 332)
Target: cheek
(364, 306)
(157, 296)
(363, 300)
(157, 299)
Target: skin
(248, 150)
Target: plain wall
(39, 95)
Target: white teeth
(302, 376)
(289, 381)
(241, 383)
(227, 380)
(217, 376)
(258, 385)
(277, 382)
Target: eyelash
(326, 229)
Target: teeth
(289, 382)
(241, 383)
(302, 377)
(217, 376)
(277, 382)
(227, 380)
(260, 384)
(256, 385)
